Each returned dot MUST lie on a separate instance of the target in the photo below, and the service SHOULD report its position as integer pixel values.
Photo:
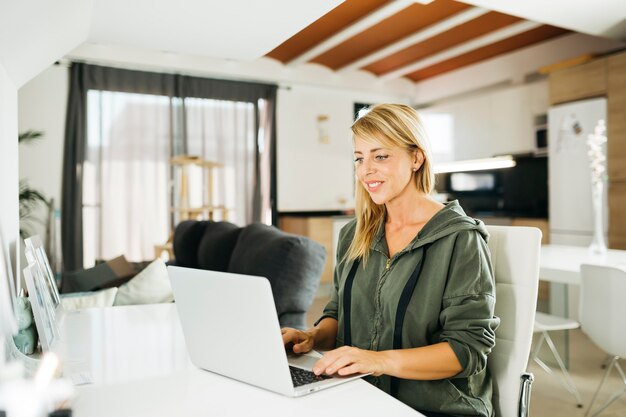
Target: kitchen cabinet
(578, 82)
(511, 120)
(492, 123)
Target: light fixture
(497, 162)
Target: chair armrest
(524, 394)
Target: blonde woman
(413, 300)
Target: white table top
(137, 364)
(561, 263)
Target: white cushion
(103, 298)
(150, 286)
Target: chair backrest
(515, 260)
(602, 307)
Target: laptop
(231, 328)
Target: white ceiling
(241, 30)
(606, 18)
(247, 29)
(228, 29)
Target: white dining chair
(515, 259)
(602, 312)
(544, 324)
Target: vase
(598, 244)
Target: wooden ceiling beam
(370, 20)
(422, 35)
(460, 49)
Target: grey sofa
(293, 264)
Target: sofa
(292, 264)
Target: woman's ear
(418, 159)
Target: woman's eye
(358, 160)
(381, 157)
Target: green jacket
(453, 301)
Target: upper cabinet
(488, 124)
(578, 82)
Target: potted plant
(30, 199)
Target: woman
(414, 295)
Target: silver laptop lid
(231, 327)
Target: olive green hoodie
(452, 302)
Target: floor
(549, 398)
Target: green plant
(29, 199)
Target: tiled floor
(549, 398)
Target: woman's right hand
(298, 340)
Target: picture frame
(42, 305)
(8, 323)
(36, 254)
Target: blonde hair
(392, 125)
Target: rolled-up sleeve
(467, 316)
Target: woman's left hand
(348, 360)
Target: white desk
(561, 264)
(138, 362)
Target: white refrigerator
(569, 177)
(569, 184)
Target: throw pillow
(98, 277)
(102, 298)
(217, 245)
(150, 286)
(187, 237)
(293, 265)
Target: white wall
(42, 104)
(8, 162)
(314, 176)
(33, 34)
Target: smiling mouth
(373, 185)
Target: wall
(316, 176)
(42, 104)
(8, 161)
(52, 29)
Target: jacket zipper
(388, 263)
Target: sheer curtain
(224, 132)
(126, 175)
(123, 127)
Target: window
(128, 183)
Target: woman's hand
(348, 360)
(299, 341)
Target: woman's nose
(366, 167)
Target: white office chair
(515, 259)
(545, 323)
(602, 312)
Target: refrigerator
(569, 187)
(569, 176)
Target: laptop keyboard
(301, 377)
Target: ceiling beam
(352, 30)
(422, 35)
(479, 42)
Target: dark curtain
(84, 77)
(73, 158)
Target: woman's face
(386, 173)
